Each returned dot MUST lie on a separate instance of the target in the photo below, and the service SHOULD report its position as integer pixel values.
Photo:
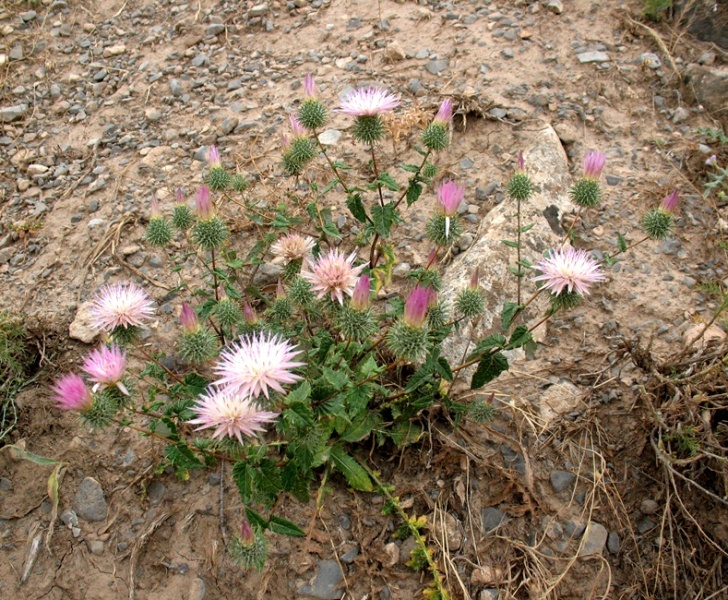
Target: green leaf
(357, 400)
(405, 433)
(621, 243)
(281, 221)
(194, 384)
(355, 474)
(243, 477)
(520, 337)
(342, 166)
(298, 415)
(384, 217)
(255, 518)
(526, 228)
(285, 527)
(510, 243)
(234, 264)
(312, 210)
(414, 191)
(296, 481)
(388, 181)
(510, 310)
(516, 272)
(490, 366)
(330, 186)
(495, 340)
(444, 369)
(331, 230)
(410, 167)
(23, 454)
(336, 379)
(525, 263)
(182, 457)
(369, 367)
(267, 480)
(356, 206)
(362, 426)
(299, 394)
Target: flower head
(669, 204)
(309, 87)
(121, 305)
(292, 247)
(711, 160)
(213, 156)
(180, 196)
(249, 314)
(70, 393)
(154, 210)
(257, 363)
(296, 127)
(521, 165)
(362, 290)
(105, 366)
(450, 195)
(475, 279)
(368, 102)
(333, 274)
(187, 318)
(570, 269)
(203, 204)
(444, 114)
(231, 413)
(593, 164)
(416, 305)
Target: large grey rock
(326, 583)
(81, 328)
(706, 19)
(595, 538)
(710, 86)
(8, 114)
(89, 501)
(547, 166)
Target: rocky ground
(106, 106)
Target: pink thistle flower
(280, 290)
(475, 279)
(105, 366)
(121, 305)
(362, 290)
(297, 128)
(432, 259)
(333, 274)
(213, 157)
(309, 87)
(70, 393)
(593, 164)
(292, 247)
(368, 102)
(203, 204)
(711, 160)
(416, 305)
(231, 413)
(669, 204)
(246, 532)
(257, 363)
(285, 142)
(188, 319)
(444, 114)
(571, 269)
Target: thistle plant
(290, 382)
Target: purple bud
(246, 532)
(249, 314)
(280, 291)
(415, 308)
(360, 298)
(444, 114)
(309, 86)
(450, 195)
(475, 279)
(432, 259)
(521, 162)
(712, 159)
(180, 196)
(296, 127)
(203, 204)
(285, 142)
(187, 318)
(213, 156)
(669, 204)
(154, 210)
(593, 164)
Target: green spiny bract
(302, 151)
(228, 312)
(182, 217)
(281, 311)
(430, 171)
(114, 396)
(519, 187)
(312, 114)
(436, 137)
(159, 231)
(355, 324)
(125, 336)
(408, 343)
(197, 346)
(290, 166)
(657, 223)
(368, 129)
(470, 303)
(292, 269)
(586, 193)
(436, 226)
(249, 554)
(300, 292)
(218, 179)
(481, 411)
(566, 300)
(239, 183)
(438, 315)
(210, 234)
(427, 277)
(102, 411)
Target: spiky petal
(450, 195)
(213, 156)
(362, 290)
(415, 307)
(70, 393)
(257, 363)
(203, 204)
(121, 305)
(309, 87)
(105, 367)
(571, 269)
(444, 114)
(669, 204)
(368, 102)
(332, 274)
(593, 164)
(188, 319)
(297, 128)
(292, 247)
(231, 413)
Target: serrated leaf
(312, 211)
(621, 243)
(356, 207)
(384, 217)
(414, 191)
(444, 369)
(298, 415)
(357, 400)
(495, 340)
(369, 367)
(388, 181)
(510, 310)
(520, 337)
(300, 394)
(361, 427)
(296, 481)
(526, 228)
(354, 473)
(255, 519)
(331, 231)
(267, 480)
(405, 433)
(490, 366)
(182, 457)
(330, 186)
(510, 243)
(341, 165)
(410, 167)
(285, 527)
(243, 478)
(336, 379)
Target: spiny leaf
(490, 366)
(355, 474)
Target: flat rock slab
(89, 501)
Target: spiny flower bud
(209, 232)
(360, 297)
(182, 217)
(586, 191)
(300, 292)
(430, 170)
(198, 345)
(103, 409)
(436, 135)
(415, 307)
(443, 230)
(250, 316)
(188, 319)
(250, 549)
(312, 113)
(519, 186)
(470, 303)
(657, 223)
(368, 129)
(239, 183)
(406, 342)
(213, 157)
(356, 324)
(481, 410)
(159, 231)
(228, 312)
(669, 204)
(218, 178)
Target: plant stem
(518, 250)
(159, 364)
(214, 274)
